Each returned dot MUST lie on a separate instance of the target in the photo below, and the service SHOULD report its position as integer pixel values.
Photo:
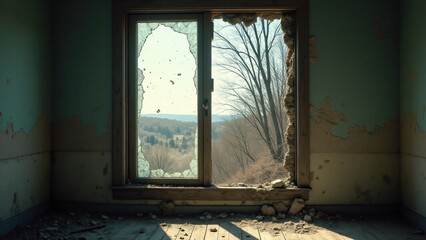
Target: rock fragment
(296, 206)
(280, 207)
(307, 218)
(278, 183)
(268, 210)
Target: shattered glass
(167, 99)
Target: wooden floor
(247, 227)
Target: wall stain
(379, 32)
(387, 179)
(105, 170)
(362, 194)
(313, 50)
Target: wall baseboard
(358, 210)
(413, 218)
(132, 209)
(22, 218)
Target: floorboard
(238, 227)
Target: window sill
(213, 193)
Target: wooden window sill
(213, 193)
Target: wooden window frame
(121, 11)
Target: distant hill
(187, 118)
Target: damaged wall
(25, 106)
(354, 102)
(354, 82)
(82, 89)
(413, 107)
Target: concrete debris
(104, 217)
(278, 183)
(208, 217)
(202, 217)
(280, 207)
(260, 217)
(281, 215)
(312, 212)
(268, 210)
(307, 218)
(153, 216)
(296, 206)
(222, 215)
(241, 185)
(274, 219)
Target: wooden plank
(223, 233)
(208, 193)
(249, 233)
(290, 235)
(128, 231)
(351, 230)
(392, 229)
(185, 232)
(270, 234)
(172, 232)
(222, 5)
(160, 232)
(234, 232)
(329, 234)
(210, 233)
(371, 232)
(148, 230)
(302, 94)
(198, 232)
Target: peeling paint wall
(25, 106)
(413, 106)
(82, 89)
(354, 96)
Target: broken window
(164, 76)
(175, 126)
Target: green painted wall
(413, 106)
(83, 62)
(413, 60)
(25, 63)
(358, 67)
(25, 103)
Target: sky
(169, 69)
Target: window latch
(205, 106)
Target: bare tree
(159, 157)
(255, 57)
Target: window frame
(122, 9)
(203, 96)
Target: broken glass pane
(167, 99)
